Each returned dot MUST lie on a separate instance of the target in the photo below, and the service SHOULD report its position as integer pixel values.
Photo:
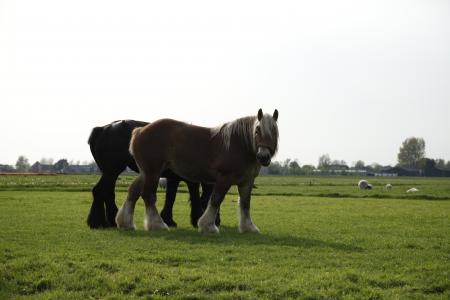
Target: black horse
(109, 147)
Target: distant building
(400, 171)
(37, 167)
(360, 172)
(81, 169)
(436, 172)
(7, 169)
(337, 169)
(61, 168)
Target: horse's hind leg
(206, 224)
(110, 200)
(207, 190)
(171, 192)
(124, 218)
(196, 203)
(152, 220)
(96, 217)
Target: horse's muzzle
(263, 156)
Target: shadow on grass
(230, 236)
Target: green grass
(320, 238)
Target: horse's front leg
(207, 190)
(206, 224)
(245, 222)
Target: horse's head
(266, 137)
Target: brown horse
(231, 154)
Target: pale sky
(350, 78)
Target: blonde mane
(244, 129)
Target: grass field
(321, 238)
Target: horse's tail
(134, 133)
(93, 138)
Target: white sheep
(388, 186)
(163, 183)
(412, 190)
(364, 185)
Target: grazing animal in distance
(163, 183)
(364, 185)
(412, 190)
(231, 154)
(109, 146)
(388, 186)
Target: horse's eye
(258, 130)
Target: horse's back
(109, 145)
(175, 144)
(174, 132)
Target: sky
(352, 79)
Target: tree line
(47, 165)
(411, 156)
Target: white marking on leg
(152, 220)
(124, 217)
(207, 222)
(245, 222)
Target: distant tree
(426, 163)
(294, 168)
(61, 165)
(46, 161)
(35, 168)
(308, 169)
(294, 165)
(274, 168)
(369, 168)
(338, 162)
(440, 163)
(286, 162)
(22, 164)
(376, 167)
(359, 165)
(324, 162)
(447, 165)
(411, 152)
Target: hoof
(168, 219)
(132, 227)
(155, 226)
(170, 222)
(96, 219)
(195, 216)
(110, 224)
(94, 225)
(250, 228)
(210, 229)
(206, 224)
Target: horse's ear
(275, 115)
(260, 114)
